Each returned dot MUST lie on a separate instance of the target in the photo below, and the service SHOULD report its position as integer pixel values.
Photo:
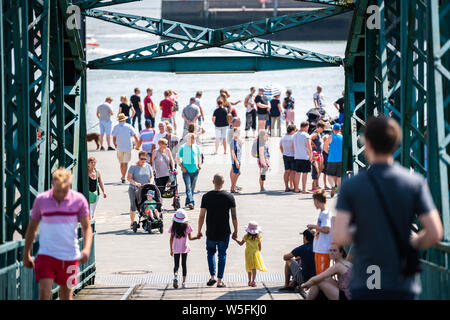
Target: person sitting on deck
(333, 290)
(299, 263)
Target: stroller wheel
(177, 204)
(135, 226)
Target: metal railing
(19, 283)
(435, 274)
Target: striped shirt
(58, 236)
(147, 136)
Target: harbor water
(113, 39)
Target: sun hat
(180, 216)
(253, 228)
(336, 126)
(121, 117)
(151, 193)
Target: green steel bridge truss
(400, 68)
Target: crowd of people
(315, 147)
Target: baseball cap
(336, 126)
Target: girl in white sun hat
(179, 245)
(253, 258)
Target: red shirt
(166, 107)
(146, 101)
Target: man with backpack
(375, 211)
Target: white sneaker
(183, 285)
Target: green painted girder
(174, 47)
(90, 4)
(211, 64)
(214, 37)
(342, 3)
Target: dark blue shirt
(274, 111)
(306, 254)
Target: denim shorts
(105, 127)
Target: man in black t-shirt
(216, 206)
(262, 109)
(136, 102)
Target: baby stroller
(171, 191)
(147, 223)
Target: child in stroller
(150, 206)
(154, 220)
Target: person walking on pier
(262, 110)
(190, 114)
(253, 257)
(375, 211)
(334, 167)
(288, 158)
(216, 207)
(319, 100)
(95, 184)
(104, 113)
(275, 114)
(57, 212)
(189, 160)
(139, 174)
(339, 105)
(146, 137)
(149, 107)
(166, 106)
(198, 103)
(122, 134)
(125, 107)
(250, 112)
(236, 146)
(220, 122)
(180, 232)
(260, 150)
(317, 149)
(301, 143)
(288, 105)
(137, 105)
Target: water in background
(115, 39)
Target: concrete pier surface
(125, 258)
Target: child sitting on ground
(150, 206)
(253, 258)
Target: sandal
(253, 284)
(211, 282)
(221, 285)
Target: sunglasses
(143, 159)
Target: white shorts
(124, 156)
(221, 132)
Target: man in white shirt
(301, 143)
(323, 235)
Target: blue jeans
(151, 119)
(137, 117)
(211, 248)
(190, 179)
(128, 120)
